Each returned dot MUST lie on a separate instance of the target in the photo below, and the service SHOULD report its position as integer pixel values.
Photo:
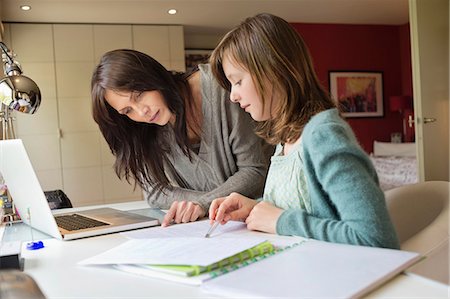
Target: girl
(175, 134)
(320, 183)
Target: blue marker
(33, 245)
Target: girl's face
(243, 91)
(147, 107)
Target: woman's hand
(183, 212)
(232, 207)
(263, 217)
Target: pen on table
(211, 229)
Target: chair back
(419, 213)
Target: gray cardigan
(231, 157)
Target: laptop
(33, 208)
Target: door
(430, 63)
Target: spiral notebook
(196, 275)
(316, 269)
(186, 260)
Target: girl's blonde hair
(271, 50)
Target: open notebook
(315, 269)
(286, 267)
(186, 260)
(196, 275)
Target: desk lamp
(17, 93)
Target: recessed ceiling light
(172, 11)
(25, 7)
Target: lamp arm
(11, 66)
(6, 52)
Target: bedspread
(395, 171)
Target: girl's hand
(264, 217)
(232, 207)
(182, 212)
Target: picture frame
(357, 93)
(193, 57)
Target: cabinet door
(154, 41)
(163, 43)
(39, 131)
(80, 140)
(176, 39)
(111, 37)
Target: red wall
(364, 48)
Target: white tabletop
(55, 270)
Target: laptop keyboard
(76, 222)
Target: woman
(177, 135)
(320, 183)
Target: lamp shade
(399, 103)
(20, 93)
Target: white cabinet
(164, 43)
(33, 45)
(65, 145)
(111, 37)
(176, 40)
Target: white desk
(55, 270)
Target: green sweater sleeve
(347, 204)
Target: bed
(395, 163)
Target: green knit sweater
(347, 203)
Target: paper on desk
(231, 229)
(174, 251)
(316, 269)
(192, 229)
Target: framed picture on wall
(358, 93)
(193, 57)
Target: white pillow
(406, 149)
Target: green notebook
(189, 270)
(196, 275)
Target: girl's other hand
(183, 212)
(232, 207)
(264, 217)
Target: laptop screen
(24, 187)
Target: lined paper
(174, 251)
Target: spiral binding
(253, 259)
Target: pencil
(211, 229)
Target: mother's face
(147, 107)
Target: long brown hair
(272, 51)
(141, 149)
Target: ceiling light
(172, 11)
(25, 7)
